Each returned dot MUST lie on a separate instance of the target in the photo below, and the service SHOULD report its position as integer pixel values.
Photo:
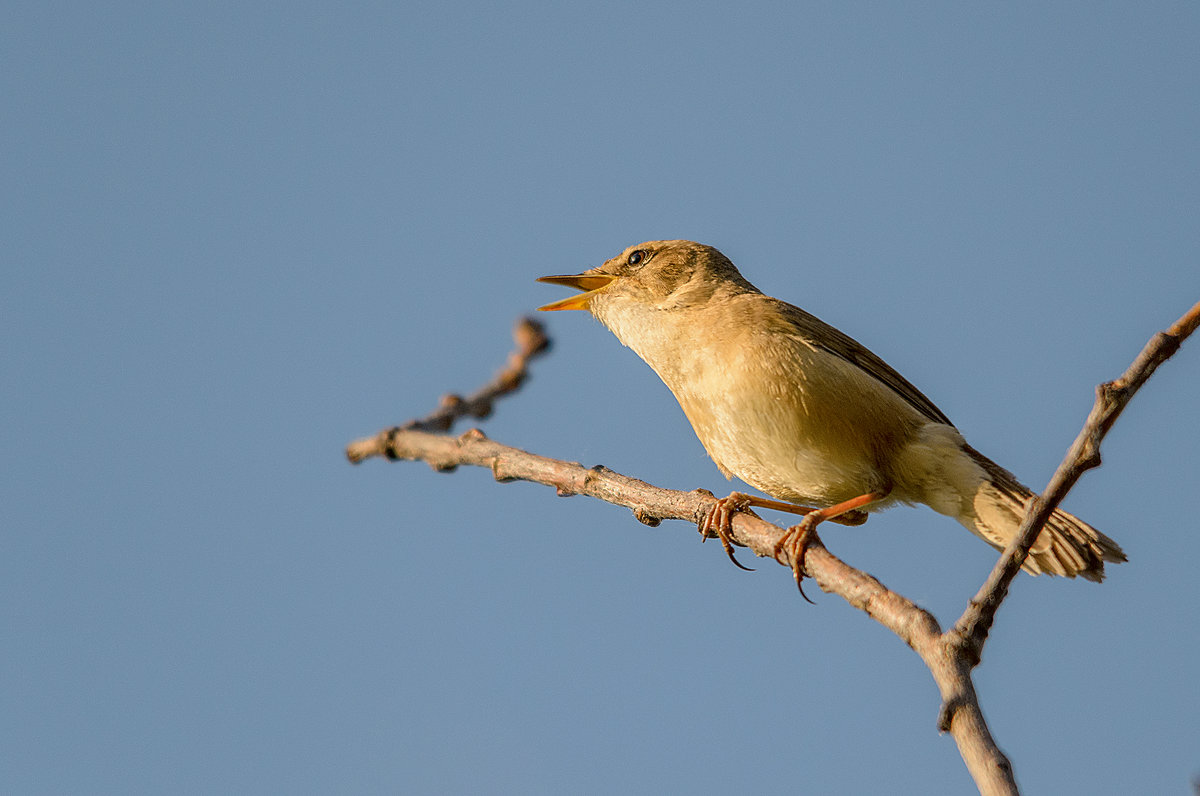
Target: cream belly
(815, 441)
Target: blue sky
(237, 236)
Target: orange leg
(797, 539)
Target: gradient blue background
(237, 236)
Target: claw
(800, 586)
(718, 521)
(736, 563)
(796, 542)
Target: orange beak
(589, 282)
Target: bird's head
(655, 276)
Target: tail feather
(1066, 546)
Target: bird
(806, 414)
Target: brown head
(655, 275)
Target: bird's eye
(637, 257)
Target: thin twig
(971, 630)
(530, 337)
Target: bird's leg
(797, 538)
(848, 517)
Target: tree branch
(950, 656)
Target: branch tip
(530, 337)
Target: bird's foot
(795, 543)
(718, 522)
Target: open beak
(589, 282)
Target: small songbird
(799, 410)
